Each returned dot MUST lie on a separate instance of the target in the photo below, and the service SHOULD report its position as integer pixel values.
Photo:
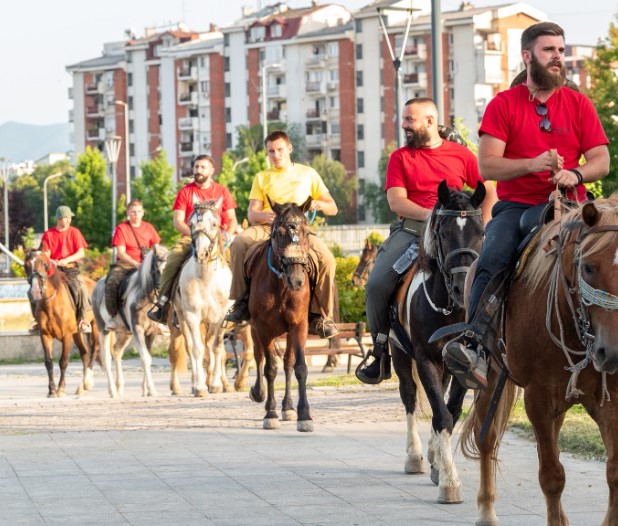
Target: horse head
(289, 241)
(365, 264)
(205, 225)
(36, 266)
(453, 237)
(152, 267)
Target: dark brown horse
(55, 314)
(365, 264)
(561, 335)
(279, 303)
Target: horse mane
(143, 273)
(540, 263)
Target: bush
(351, 298)
(96, 263)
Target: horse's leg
(217, 355)
(287, 405)
(256, 393)
(248, 358)
(449, 485)
(93, 357)
(47, 342)
(80, 342)
(121, 342)
(193, 340)
(546, 422)
(227, 388)
(298, 337)
(271, 419)
(148, 386)
(402, 364)
(177, 356)
(106, 342)
(67, 339)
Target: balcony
(416, 52)
(186, 149)
(188, 98)
(187, 123)
(94, 111)
(313, 113)
(415, 79)
(314, 140)
(95, 134)
(187, 74)
(332, 85)
(92, 88)
(273, 115)
(314, 87)
(317, 61)
(277, 91)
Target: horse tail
(177, 351)
(422, 402)
(471, 427)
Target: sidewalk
(185, 461)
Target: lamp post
(239, 162)
(112, 149)
(45, 213)
(127, 168)
(5, 179)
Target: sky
(39, 38)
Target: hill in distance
(29, 142)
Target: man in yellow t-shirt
(285, 182)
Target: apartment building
(323, 69)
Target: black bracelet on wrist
(580, 177)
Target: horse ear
(479, 194)
(306, 206)
(219, 201)
(443, 192)
(276, 208)
(590, 214)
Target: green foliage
(465, 133)
(351, 298)
(375, 238)
(90, 197)
(156, 189)
(96, 263)
(341, 186)
(374, 198)
(604, 94)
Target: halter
(41, 277)
(292, 227)
(448, 273)
(586, 296)
(196, 232)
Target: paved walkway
(184, 461)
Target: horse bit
(292, 228)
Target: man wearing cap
(64, 245)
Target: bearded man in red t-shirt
(131, 239)
(203, 188)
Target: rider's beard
(543, 77)
(418, 138)
(200, 178)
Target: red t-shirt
(512, 118)
(146, 235)
(421, 170)
(63, 244)
(191, 194)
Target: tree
(341, 187)
(156, 189)
(373, 195)
(604, 94)
(90, 197)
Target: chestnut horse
(55, 314)
(449, 244)
(561, 335)
(279, 302)
(365, 263)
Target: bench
(349, 341)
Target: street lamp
(239, 162)
(45, 213)
(112, 149)
(5, 179)
(127, 169)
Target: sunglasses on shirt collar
(542, 111)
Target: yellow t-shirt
(289, 185)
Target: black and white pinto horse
(137, 299)
(449, 244)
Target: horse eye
(588, 269)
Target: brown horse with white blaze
(561, 334)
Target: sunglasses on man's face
(545, 125)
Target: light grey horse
(138, 297)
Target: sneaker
(378, 370)
(467, 364)
(110, 325)
(239, 311)
(158, 314)
(322, 327)
(84, 327)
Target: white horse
(131, 321)
(202, 297)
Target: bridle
(446, 271)
(196, 231)
(293, 228)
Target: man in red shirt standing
(203, 188)
(64, 245)
(132, 239)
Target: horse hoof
(176, 392)
(200, 393)
(434, 475)
(328, 369)
(256, 397)
(215, 390)
(450, 495)
(271, 423)
(288, 415)
(80, 390)
(52, 395)
(239, 385)
(488, 522)
(304, 426)
(414, 466)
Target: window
(129, 79)
(359, 52)
(332, 49)
(359, 105)
(226, 40)
(360, 159)
(226, 63)
(228, 141)
(205, 86)
(131, 126)
(130, 102)
(359, 79)
(333, 74)
(333, 102)
(227, 89)
(228, 114)
(335, 153)
(358, 25)
(276, 30)
(257, 33)
(335, 128)
(360, 131)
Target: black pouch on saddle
(144, 251)
(412, 226)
